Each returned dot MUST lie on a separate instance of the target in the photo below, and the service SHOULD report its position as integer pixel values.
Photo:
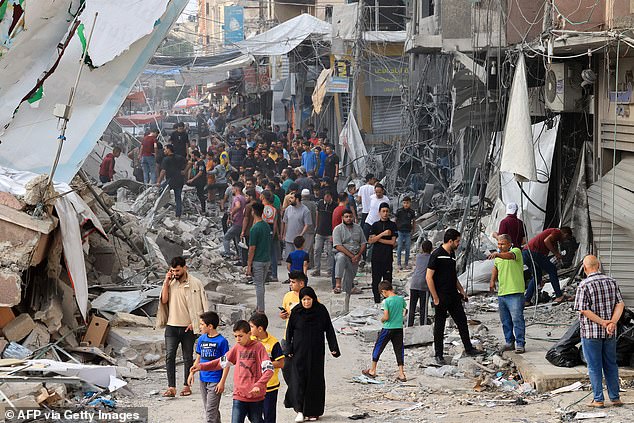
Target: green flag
(34, 100)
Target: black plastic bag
(565, 352)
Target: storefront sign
(337, 84)
(256, 79)
(385, 77)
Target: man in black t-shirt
(405, 220)
(331, 169)
(180, 140)
(448, 294)
(383, 237)
(323, 236)
(198, 178)
(172, 170)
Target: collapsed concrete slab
(418, 335)
(19, 328)
(136, 342)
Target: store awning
(284, 37)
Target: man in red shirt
(147, 156)
(512, 226)
(535, 256)
(106, 169)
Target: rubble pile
(48, 355)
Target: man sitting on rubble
(535, 256)
(183, 300)
(448, 295)
(508, 269)
(349, 241)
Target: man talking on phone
(448, 294)
(183, 300)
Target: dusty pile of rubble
(48, 355)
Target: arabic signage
(234, 24)
(256, 79)
(337, 84)
(385, 77)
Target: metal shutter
(386, 116)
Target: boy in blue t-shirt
(210, 346)
(299, 259)
(394, 308)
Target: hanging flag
(81, 33)
(34, 100)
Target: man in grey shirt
(418, 290)
(349, 242)
(296, 222)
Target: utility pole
(356, 70)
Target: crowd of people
(282, 202)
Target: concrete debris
(19, 328)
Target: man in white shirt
(376, 200)
(365, 196)
(365, 192)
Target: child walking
(299, 259)
(394, 308)
(210, 346)
(259, 323)
(253, 371)
(418, 290)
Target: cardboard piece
(96, 333)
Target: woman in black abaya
(307, 324)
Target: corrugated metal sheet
(624, 136)
(612, 218)
(386, 116)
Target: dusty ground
(421, 399)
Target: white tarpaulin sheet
(30, 52)
(213, 74)
(119, 24)
(518, 156)
(284, 37)
(352, 141)
(30, 141)
(73, 213)
(533, 203)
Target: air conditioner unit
(562, 91)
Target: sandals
(312, 418)
(366, 372)
(336, 290)
(170, 393)
(187, 391)
(401, 379)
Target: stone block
(369, 334)
(216, 297)
(51, 315)
(38, 337)
(121, 319)
(229, 314)
(20, 389)
(10, 201)
(10, 288)
(19, 328)
(138, 341)
(418, 335)
(132, 371)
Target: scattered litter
(569, 388)
(591, 415)
(366, 380)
